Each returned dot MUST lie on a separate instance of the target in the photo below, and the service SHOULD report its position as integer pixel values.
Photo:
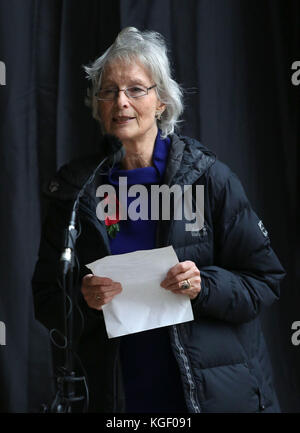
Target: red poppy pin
(112, 222)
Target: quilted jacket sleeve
(247, 272)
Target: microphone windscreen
(118, 156)
(112, 147)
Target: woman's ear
(160, 106)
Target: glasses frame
(117, 91)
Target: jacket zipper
(182, 354)
(192, 386)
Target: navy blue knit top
(140, 234)
(150, 373)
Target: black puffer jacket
(221, 354)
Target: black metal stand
(66, 379)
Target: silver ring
(186, 284)
(97, 297)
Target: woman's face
(132, 120)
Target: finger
(93, 280)
(195, 282)
(191, 293)
(178, 286)
(100, 300)
(180, 268)
(177, 280)
(104, 291)
(94, 290)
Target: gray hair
(150, 49)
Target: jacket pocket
(261, 392)
(229, 389)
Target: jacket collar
(188, 161)
(67, 182)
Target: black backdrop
(236, 53)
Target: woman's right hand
(98, 291)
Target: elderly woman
(218, 362)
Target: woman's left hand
(182, 272)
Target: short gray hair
(150, 49)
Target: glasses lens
(107, 94)
(136, 91)
(131, 92)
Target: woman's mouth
(121, 120)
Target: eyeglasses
(131, 92)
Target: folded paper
(143, 304)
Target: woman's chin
(122, 135)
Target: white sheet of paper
(143, 304)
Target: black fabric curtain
(234, 59)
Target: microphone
(114, 150)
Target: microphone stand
(66, 378)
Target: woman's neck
(139, 154)
(136, 160)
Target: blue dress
(150, 373)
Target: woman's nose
(122, 99)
